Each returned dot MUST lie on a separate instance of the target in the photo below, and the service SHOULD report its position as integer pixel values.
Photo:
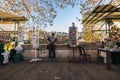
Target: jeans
(52, 53)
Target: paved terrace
(60, 70)
(46, 70)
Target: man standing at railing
(52, 39)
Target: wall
(62, 50)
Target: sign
(20, 34)
(35, 37)
(73, 36)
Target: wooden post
(106, 26)
(15, 29)
(109, 30)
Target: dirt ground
(58, 71)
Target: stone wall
(62, 50)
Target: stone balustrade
(62, 50)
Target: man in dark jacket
(52, 39)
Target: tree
(87, 5)
(115, 2)
(39, 12)
(43, 12)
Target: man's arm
(49, 39)
(55, 40)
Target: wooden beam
(106, 11)
(101, 15)
(92, 19)
(101, 8)
(8, 32)
(108, 15)
(4, 22)
(98, 30)
(94, 10)
(14, 19)
(90, 13)
(101, 12)
(117, 18)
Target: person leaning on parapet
(51, 46)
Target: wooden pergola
(7, 18)
(106, 13)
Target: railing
(62, 50)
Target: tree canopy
(43, 12)
(39, 12)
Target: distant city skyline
(64, 19)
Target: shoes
(51, 60)
(54, 60)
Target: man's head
(53, 34)
(73, 24)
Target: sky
(64, 19)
